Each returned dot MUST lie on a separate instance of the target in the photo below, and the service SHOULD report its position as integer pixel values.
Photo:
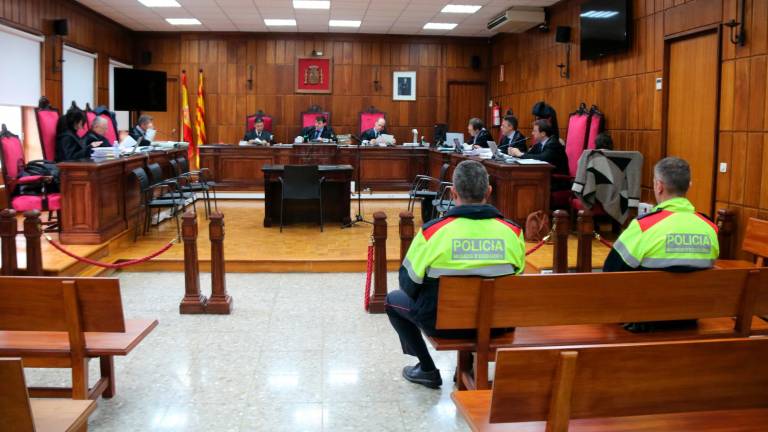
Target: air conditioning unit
(517, 20)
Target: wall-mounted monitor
(605, 27)
(140, 90)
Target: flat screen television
(140, 90)
(605, 27)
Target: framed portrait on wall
(404, 86)
(314, 74)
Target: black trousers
(400, 307)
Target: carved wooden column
(193, 302)
(8, 241)
(725, 229)
(585, 228)
(33, 230)
(406, 233)
(560, 219)
(219, 302)
(380, 263)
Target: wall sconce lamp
(739, 38)
(563, 35)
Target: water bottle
(116, 149)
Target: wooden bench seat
(473, 406)
(755, 242)
(700, 385)
(64, 323)
(586, 309)
(20, 414)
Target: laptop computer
(455, 140)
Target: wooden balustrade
(406, 233)
(8, 242)
(193, 302)
(561, 221)
(380, 263)
(33, 230)
(726, 226)
(220, 302)
(585, 230)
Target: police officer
(673, 237)
(472, 239)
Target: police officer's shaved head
(675, 174)
(470, 181)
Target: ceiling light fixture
(160, 3)
(439, 26)
(462, 9)
(343, 23)
(183, 21)
(311, 4)
(280, 22)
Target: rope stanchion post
(8, 229)
(220, 302)
(33, 230)
(585, 226)
(193, 302)
(380, 263)
(560, 220)
(406, 233)
(725, 228)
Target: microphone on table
(519, 140)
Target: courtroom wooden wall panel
(623, 87)
(359, 61)
(88, 30)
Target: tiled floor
(297, 354)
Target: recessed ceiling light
(183, 21)
(280, 22)
(160, 3)
(439, 26)
(343, 23)
(311, 4)
(465, 9)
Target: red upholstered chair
(369, 117)
(596, 125)
(12, 154)
(47, 118)
(250, 121)
(308, 117)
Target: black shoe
(429, 379)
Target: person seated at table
(547, 148)
(479, 134)
(371, 135)
(69, 146)
(95, 136)
(320, 131)
(603, 141)
(258, 135)
(141, 132)
(510, 136)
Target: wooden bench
(701, 385)
(585, 308)
(755, 242)
(64, 323)
(19, 413)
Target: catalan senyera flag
(199, 118)
(186, 123)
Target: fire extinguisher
(496, 114)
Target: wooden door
(168, 123)
(465, 100)
(692, 109)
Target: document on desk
(530, 162)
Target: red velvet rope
(368, 272)
(605, 242)
(61, 249)
(537, 246)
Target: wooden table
(336, 196)
(100, 199)
(518, 190)
(235, 167)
